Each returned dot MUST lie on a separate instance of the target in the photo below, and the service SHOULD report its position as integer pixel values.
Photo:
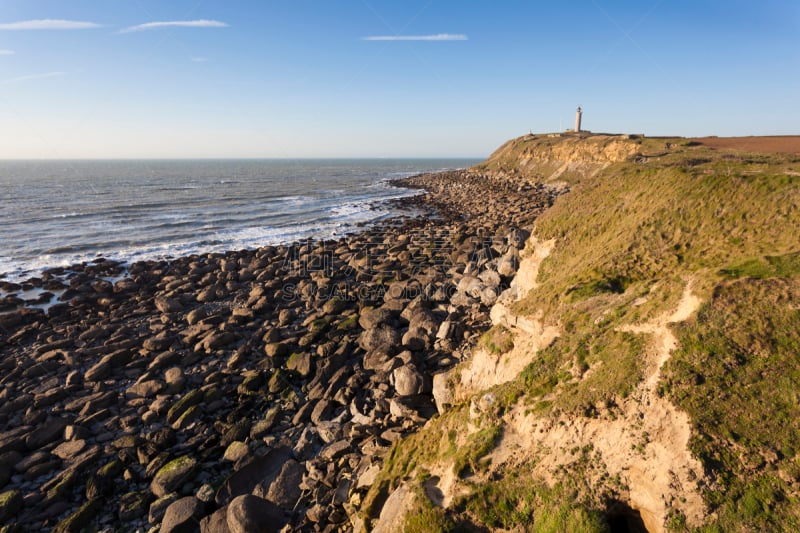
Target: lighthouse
(578, 114)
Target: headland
(586, 332)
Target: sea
(60, 213)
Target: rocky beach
(253, 390)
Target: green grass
(781, 266)
(467, 457)
(498, 340)
(511, 503)
(737, 374)
(628, 239)
(438, 440)
(424, 517)
(636, 233)
(514, 503)
(644, 222)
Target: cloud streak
(49, 24)
(175, 24)
(32, 77)
(435, 37)
(6, 52)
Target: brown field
(785, 144)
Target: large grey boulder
(381, 336)
(182, 516)
(261, 469)
(251, 514)
(285, 490)
(372, 317)
(408, 381)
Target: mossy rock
(193, 397)
(78, 520)
(276, 349)
(262, 427)
(133, 505)
(278, 381)
(348, 323)
(301, 363)
(334, 306)
(102, 482)
(188, 417)
(10, 503)
(173, 475)
(252, 383)
(60, 490)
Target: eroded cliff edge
(640, 373)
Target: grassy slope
(627, 241)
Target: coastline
(73, 212)
(162, 395)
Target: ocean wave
(189, 208)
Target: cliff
(551, 157)
(642, 370)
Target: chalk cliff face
(597, 415)
(547, 158)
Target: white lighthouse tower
(578, 114)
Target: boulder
(260, 469)
(301, 363)
(408, 381)
(168, 305)
(376, 359)
(159, 507)
(251, 514)
(490, 278)
(144, 389)
(285, 490)
(174, 379)
(381, 336)
(48, 431)
(416, 339)
(509, 263)
(370, 317)
(78, 520)
(442, 390)
(420, 317)
(10, 503)
(182, 516)
(192, 398)
(173, 475)
(216, 522)
(196, 315)
(132, 506)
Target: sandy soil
(785, 144)
(646, 446)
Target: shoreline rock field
(254, 390)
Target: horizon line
(243, 158)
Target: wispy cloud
(6, 52)
(199, 59)
(435, 37)
(176, 24)
(32, 77)
(49, 24)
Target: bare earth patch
(645, 445)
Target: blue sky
(379, 78)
